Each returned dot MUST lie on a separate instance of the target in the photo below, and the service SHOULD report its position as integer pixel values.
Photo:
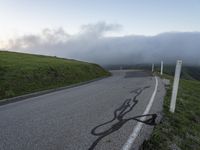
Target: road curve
(100, 115)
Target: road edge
(136, 130)
(43, 92)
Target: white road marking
(138, 127)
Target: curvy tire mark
(119, 118)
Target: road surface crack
(119, 118)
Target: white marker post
(161, 68)
(175, 85)
(152, 68)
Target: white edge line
(138, 127)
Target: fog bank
(91, 44)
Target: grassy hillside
(180, 130)
(25, 73)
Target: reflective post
(175, 85)
(161, 68)
(152, 68)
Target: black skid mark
(119, 119)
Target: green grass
(181, 129)
(25, 73)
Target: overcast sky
(144, 17)
(88, 29)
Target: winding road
(114, 113)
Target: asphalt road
(99, 115)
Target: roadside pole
(161, 68)
(175, 85)
(152, 68)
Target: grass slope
(180, 130)
(25, 73)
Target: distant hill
(25, 73)
(188, 72)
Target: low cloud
(91, 44)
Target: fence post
(161, 68)
(152, 68)
(175, 85)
